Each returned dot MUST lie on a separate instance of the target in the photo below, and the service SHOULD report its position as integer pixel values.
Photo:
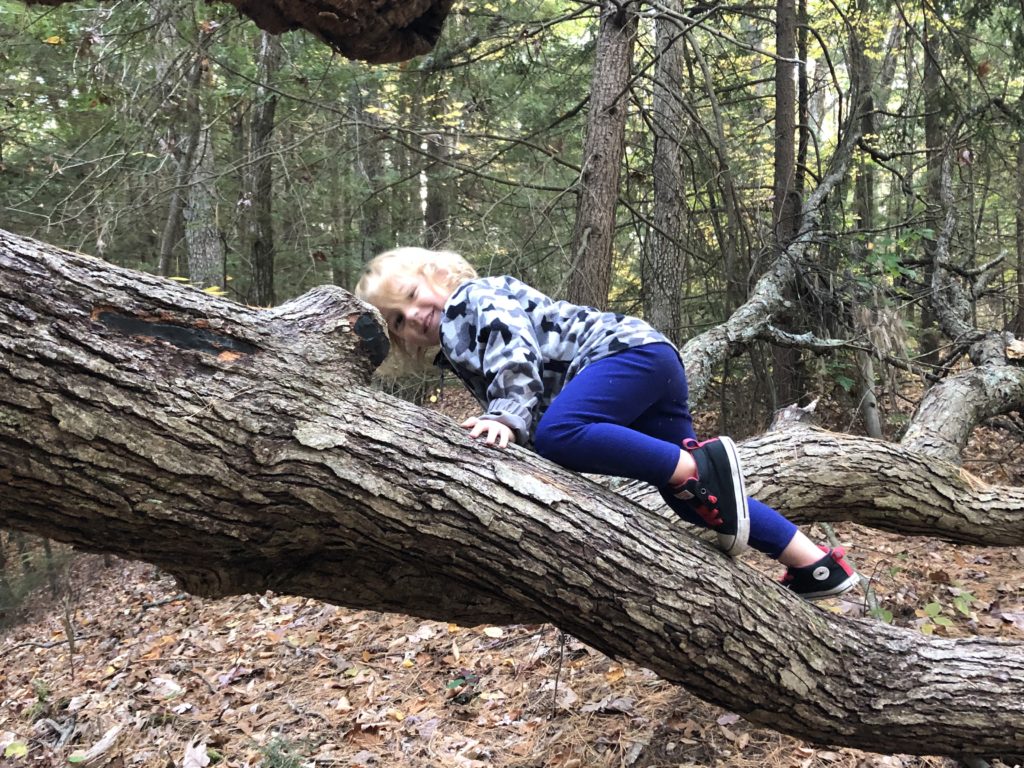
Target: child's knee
(551, 441)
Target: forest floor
(161, 679)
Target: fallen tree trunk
(243, 450)
(820, 476)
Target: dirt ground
(158, 678)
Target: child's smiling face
(416, 316)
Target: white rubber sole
(735, 545)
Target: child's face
(416, 317)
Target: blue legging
(626, 415)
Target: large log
(244, 450)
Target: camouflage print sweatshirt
(515, 348)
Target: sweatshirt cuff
(515, 417)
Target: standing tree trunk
(662, 268)
(261, 173)
(593, 234)
(864, 208)
(202, 235)
(437, 211)
(374, 222)
(1018, 219)
(935, 139)
(786, 203)
(181, 144)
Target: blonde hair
(379, 285)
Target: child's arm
(492, 336)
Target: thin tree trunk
(1018, 326)
(173, 224)
(374, 226)
(662, 268)
(436, 214)
(786, 204)
(261, 173)
(593, 233)
(864, 205)
(202, 234)
(935, 140)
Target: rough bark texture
(377, 31)
(241, 450)
(260, 175)
(815, 475)
(202, 235)
(594, 229)
(663, 270)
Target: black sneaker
(717, 493)
(828, 577)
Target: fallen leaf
(611, 705)
(1017, 619)
(16, 749)
(494, 631)
(97, 750)
(195, 755)
(614, 674)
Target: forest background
(177, 139)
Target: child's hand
(498, 434)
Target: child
(593, 391)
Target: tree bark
(377, 31)
(260, 174)
(1018, 223)
(786, 204)
(935, 141)
(112, 383)
(202, 235)
(593, 233)
(662, 269)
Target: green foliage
(280, 753)
(479, 146)
(936, 614)
(41, 706)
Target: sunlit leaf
(16, 749)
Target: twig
(558, 672)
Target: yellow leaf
(54, 40)
(614, 674)
(16, 749)
(494, 632)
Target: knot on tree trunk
(333, 327)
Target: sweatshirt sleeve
(494, 336)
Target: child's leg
(627, 415)
(590, 425)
